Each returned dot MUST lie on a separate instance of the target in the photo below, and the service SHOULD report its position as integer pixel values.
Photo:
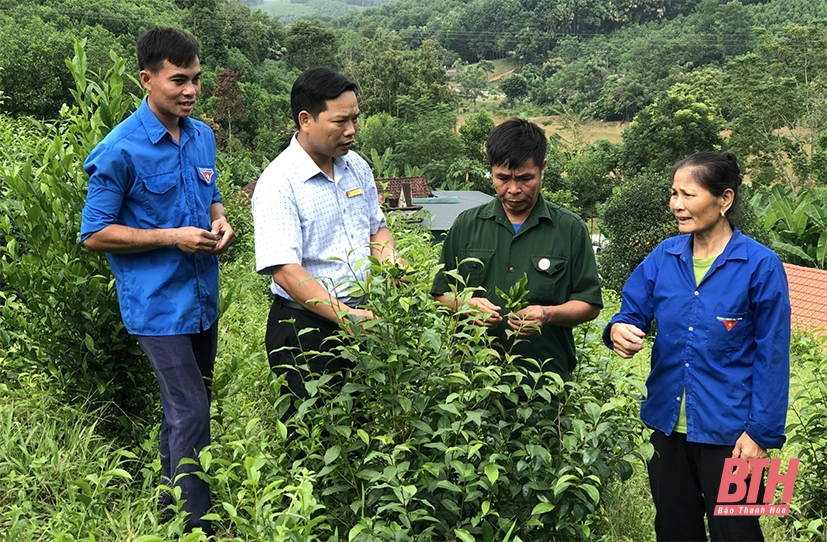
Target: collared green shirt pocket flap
(474, 263)
(548, 265)
(468, 256)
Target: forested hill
(487, 29)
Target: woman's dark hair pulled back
(715, 172)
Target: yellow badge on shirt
(353, 193)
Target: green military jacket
(552, 247)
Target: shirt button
(677, 398)
(510, 269)
(696, 292)
(687, 365)
(691, 328)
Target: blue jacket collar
(736, 248)
(154, 129)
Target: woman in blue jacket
(720, 368)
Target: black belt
(290, 304)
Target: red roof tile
(419, 187)
(808, 297)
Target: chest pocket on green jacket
(548, 279)
(472, 271)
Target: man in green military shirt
(520, 233)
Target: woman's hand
(746, 448)
(627, 339)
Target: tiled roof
(419, 187)
(808, 297)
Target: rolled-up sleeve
(108, 178)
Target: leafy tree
(229, 100)
(206, 20)
(591, 176)
(431, 143)
(621, 98)
(634, 219)
(668, 130)
(474, 82)
(514, 86)
(777, 119)
(255, 34)
(474, 131)
(309, 44)
(34, 78)
(389, 70)
(575, 84)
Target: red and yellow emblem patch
(729, 323)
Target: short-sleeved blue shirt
(140, 177)
(725, 341)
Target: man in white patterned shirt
(316, 213)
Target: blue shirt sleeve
(109, 176)
(637, 300)
(771, 364)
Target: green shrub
(807, 427)
(61, 325)
(635, 219)
(437, 436)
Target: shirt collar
(494, 209)
(306, 168)
(736, 248)
(154, 129)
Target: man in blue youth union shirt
(154, 208)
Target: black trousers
(684, 478)
(287, 343)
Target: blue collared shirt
(725, 341)
(304, 217)
(140, 177)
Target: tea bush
(807, 427)
(61, 326)
(437, 435)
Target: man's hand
(357, 317)
(490, 312)
(527, 321)
(224, 234)
(627, 339)
(195, 240)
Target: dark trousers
(183, 365)
(684, 478)
(286, 343)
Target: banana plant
(797, 226)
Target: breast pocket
(160, 196)
(548, 279)
(732, 330)
(474, 265)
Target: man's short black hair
(513, 142)
(159, 44)
(314, 87)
